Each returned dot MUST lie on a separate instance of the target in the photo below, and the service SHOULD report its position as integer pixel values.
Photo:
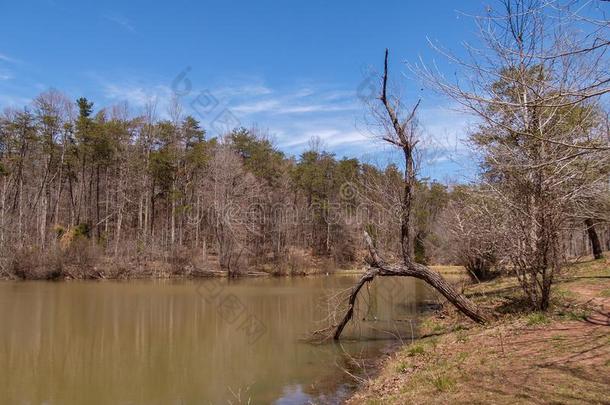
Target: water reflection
(163, 343)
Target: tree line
(80, 188)
(83, 191)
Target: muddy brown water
(210, 341)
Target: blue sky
(291, 68)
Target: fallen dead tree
(378, 267)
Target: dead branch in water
(378, 267)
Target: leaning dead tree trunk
(378, 267)
(402, 135)
(596, 245)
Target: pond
(212, 341)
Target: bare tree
(233, 192)
(536, 93)
(471, 233)
(401, 134)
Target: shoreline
(110, 269)
(456, 361)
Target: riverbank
(112, 269)
(562, 356)
(85, 262)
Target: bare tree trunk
(43, 218)
(59, 185)
(594, 239)
(204, 253)
(407, 202)
(118, 231)
(21, 209)
(173, 214)
(97, 202)
(107, 202)
(141, 225)
(3, 217)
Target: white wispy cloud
(294, 115)
(299, 101)
(241, 91)
(330, 137)
(13, 101)
(256, 106)
(137, 95)
(120, 20)
(445, 126)
(279, 106)
(5, 58)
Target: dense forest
(88, 193)
(81, 188)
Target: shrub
(71, 235)
(30, 263)
(179, 258)
(471, 238)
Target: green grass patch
(402, 367)
(461, 337)
(537, 318)
(576, 315)
(558, 341)
(416, 350)
(459, 327)
(461, 357)
(433, 341)
(561, 294)
(605, 293)
(432, 326)
(443, 383)
(558, 338)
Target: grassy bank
(562, 356)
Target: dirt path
(597, 295)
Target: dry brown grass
(559, 357)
